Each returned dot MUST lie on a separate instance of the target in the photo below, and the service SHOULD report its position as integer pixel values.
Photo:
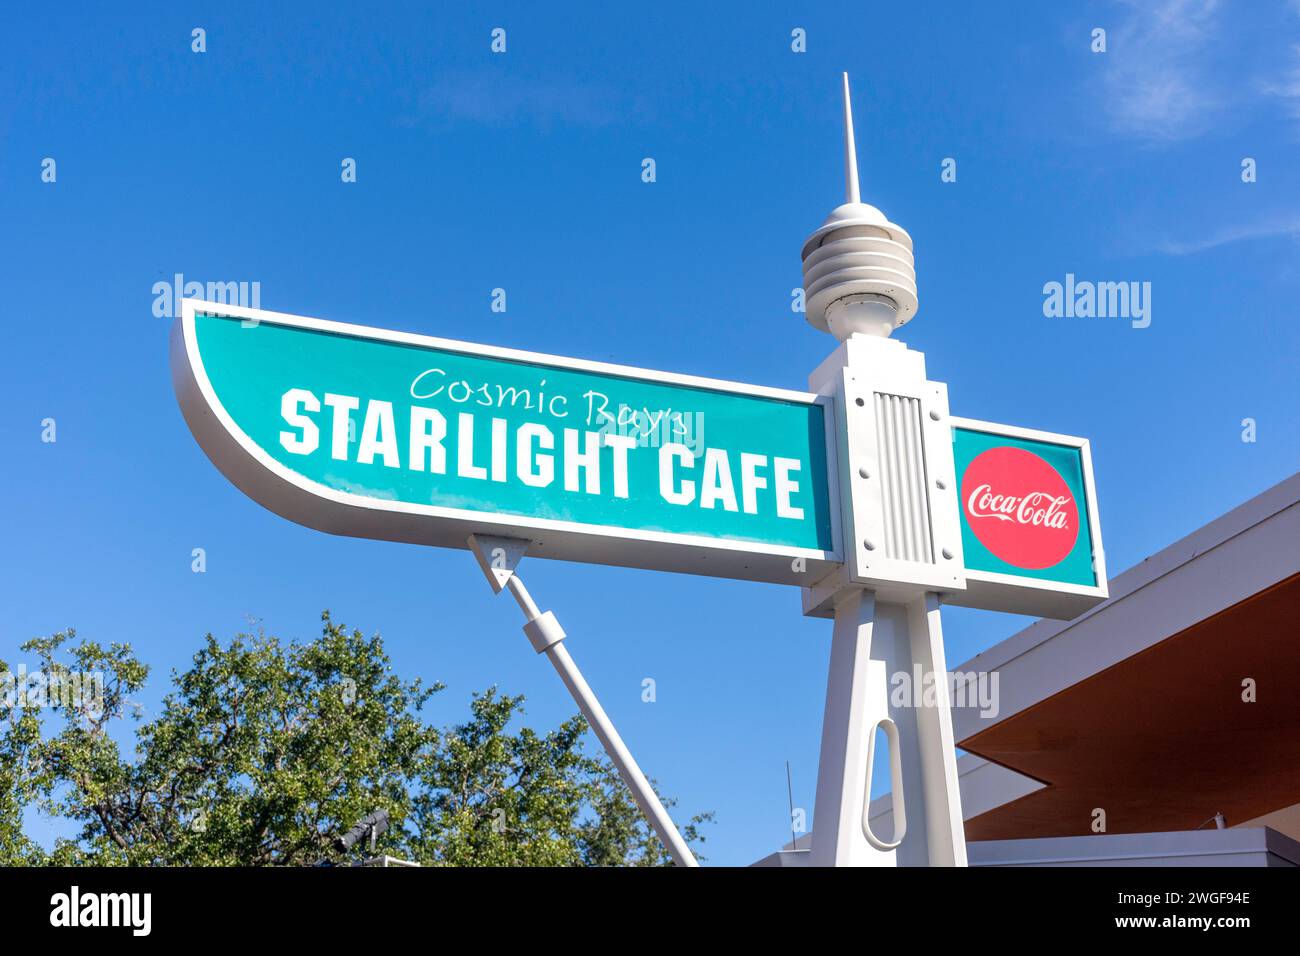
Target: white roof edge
(1118, 849)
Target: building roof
(1137, 707)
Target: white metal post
(877, 648)
(887, 630)
(855, 702)
(935, 749)
(499, 557)
(901, 542)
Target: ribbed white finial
(851, 190)
(859, 276)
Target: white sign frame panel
(287, 494)
(1023, 595)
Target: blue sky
(522, 171)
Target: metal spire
(852, 193)
(859, 274)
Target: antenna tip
(852, 192)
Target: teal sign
(1026, 507)
(365, 419)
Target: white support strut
(499, 557)
(871, 641)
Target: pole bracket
(498, 557)
(544, 632)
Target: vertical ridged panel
(908, 536)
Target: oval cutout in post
(896, 786)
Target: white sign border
(1025, 595)
(288, 494)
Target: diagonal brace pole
(499, 557)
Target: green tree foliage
(19, 730)
(264, 751)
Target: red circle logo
(1020, 508)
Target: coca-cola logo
(1020, 508)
